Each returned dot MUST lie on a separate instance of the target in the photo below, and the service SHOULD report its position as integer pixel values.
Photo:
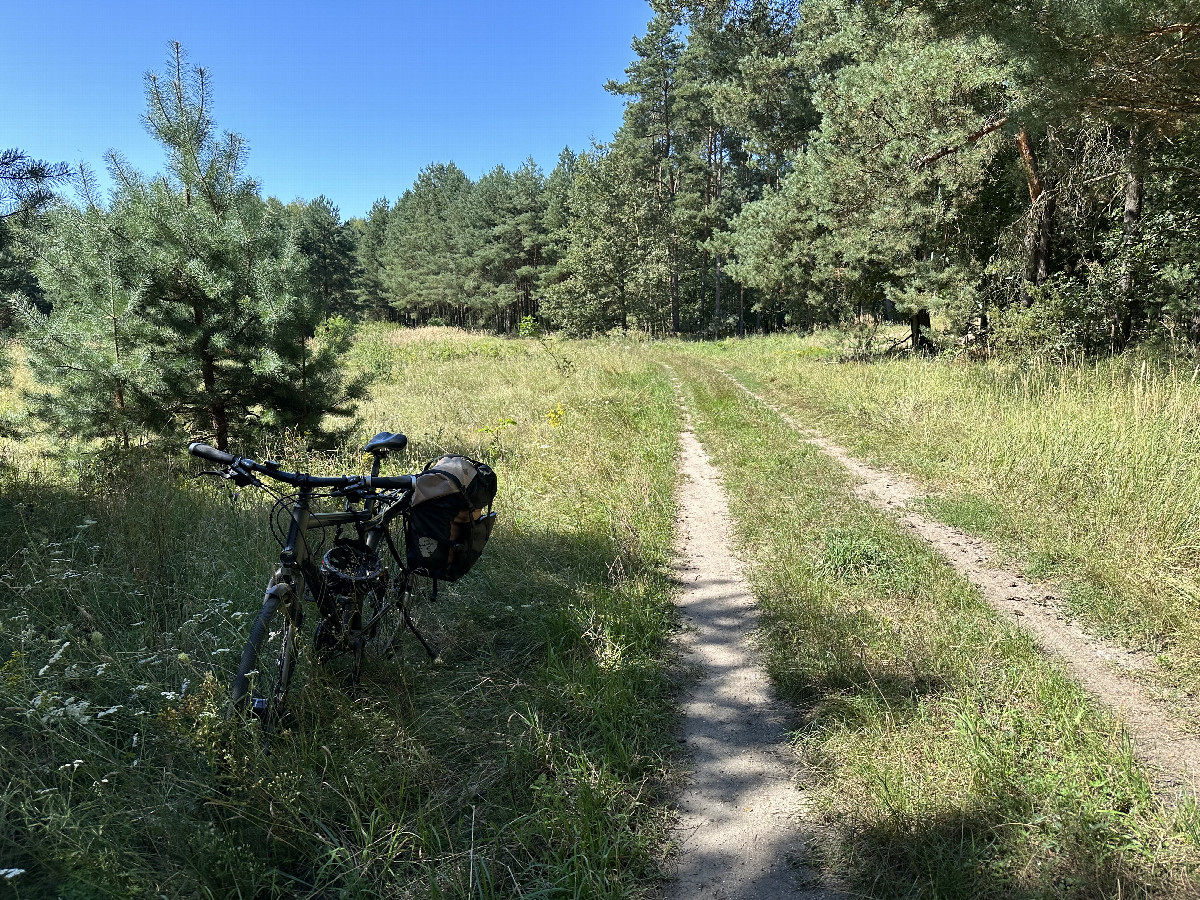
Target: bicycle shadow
(543, 591)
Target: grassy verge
(949, 758)
(530, 764)
(1088, 474)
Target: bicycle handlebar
(212, 454)
(301, 479)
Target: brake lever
(355, 491)
(241, 477)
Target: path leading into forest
(741, 831)
(1103, 669)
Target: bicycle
(356, 598)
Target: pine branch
(971, 139)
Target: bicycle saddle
(385, 442)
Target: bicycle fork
(279, 592)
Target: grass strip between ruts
(949, 758)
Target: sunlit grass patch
(1087, 473)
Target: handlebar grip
(389, 482)
(212, 454)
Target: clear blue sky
(343, 99)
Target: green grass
(532, 763)
(949, 759)
(1087, 474)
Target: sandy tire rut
(1102, 668)
(742, 825)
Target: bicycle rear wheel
(268, 662)
(387, 605)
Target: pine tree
(209, 273)
(370, 288)
(26, 188)
(649, 135)
(557, 221)
(429, 245)
(616, 255)
(91, 349)
(869, 217)
(507, 211)
(328, 248)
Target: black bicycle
(357, 600)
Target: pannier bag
(450, 518)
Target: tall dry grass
(532, 762)
(1088, 474)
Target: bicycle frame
(371, 504)
(302, 573)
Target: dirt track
(1100, 667)
(741, 828)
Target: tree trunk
(216, 409)
(1135, 311)
(303, 383)
(208, 375)
(674, 300)
(717, 290)
(918, 321)
(120, 392)
(120, 398)
(741, 310)
(1040, 229)
(1038, 240)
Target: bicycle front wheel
(268, 662)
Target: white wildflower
(76, 709)
(55, 658)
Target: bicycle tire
(267, 664)
(385, 636)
